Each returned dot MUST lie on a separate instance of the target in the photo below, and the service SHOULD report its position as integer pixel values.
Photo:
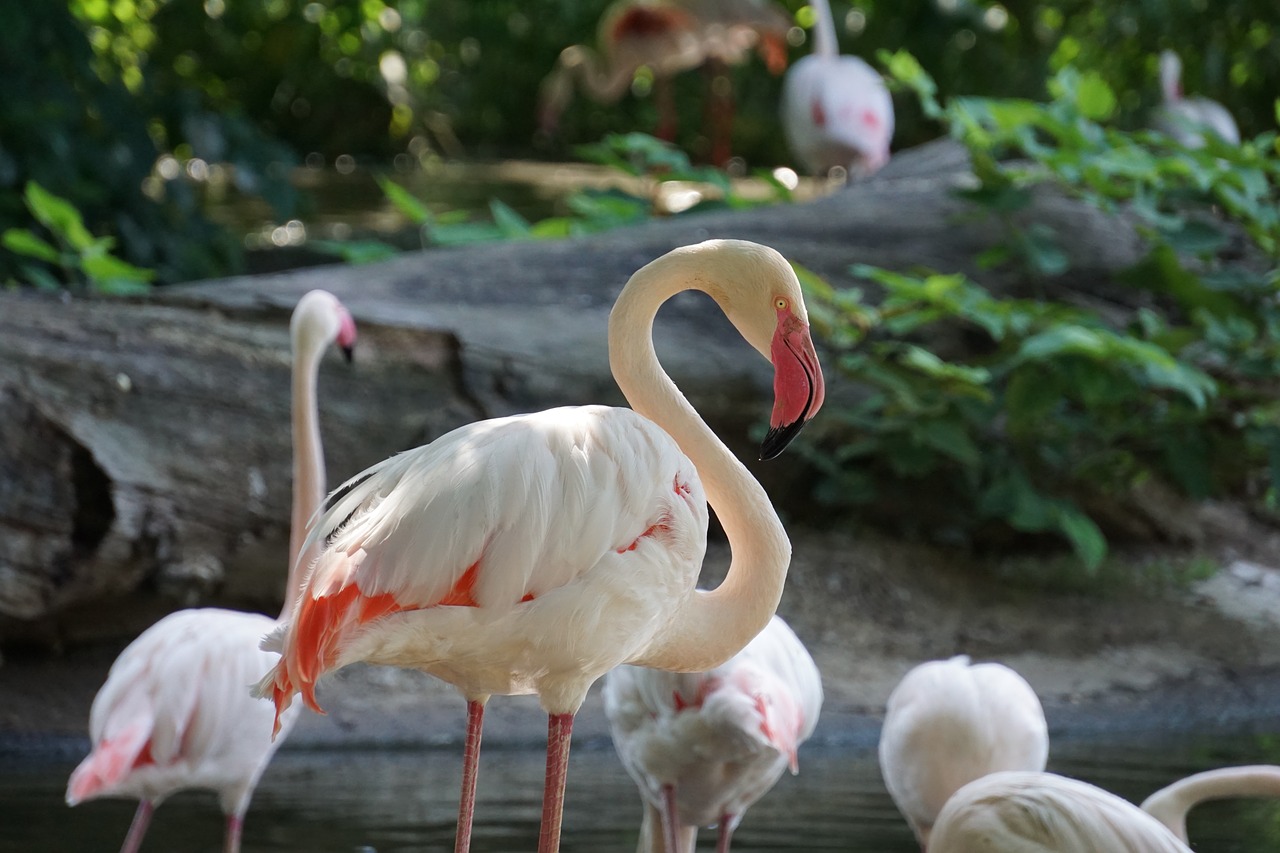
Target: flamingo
(836, 110)
(632, 34)
(1188, 119)
(668, 37)
(533, 554)
(949, 722)
(1021, 811)
(174, 712)
(704, 746)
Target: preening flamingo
(704, 746)
(836, 111)
(1017, 812)
(532, 554)
(1187, 119)
(949, 722)
(175, 712)
(668, 37)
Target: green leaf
(510, 223)
(404, 201)
(58, 215)
(1084, 535)
(1094, 97)
(23, 242)
(106, 268)
(356, 252)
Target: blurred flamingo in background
(1014, 812)
(668, 37)
(704, 746)
(175, 711)
(1187, 119)
(836, 111)
(533, 554)
(950, 722)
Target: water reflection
(353, 801)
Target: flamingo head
(320, 319)
(1170, 75)
(761, 296)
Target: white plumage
(707, 745)
(836, 110)
(1022, 812)
(535, 553)
(175, 712)
(950, 722)
(1188, 119)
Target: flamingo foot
(470, 772)
(559, 731)
(137, 829)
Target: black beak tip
(777, 439)
(349, 354)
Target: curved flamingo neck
(1170, 805)
(601, 80)
(824, 41)
(308, 455)
(711, 626)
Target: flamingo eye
(781, 304)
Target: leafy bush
(1050, 410)
(77, 254)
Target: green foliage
(1047, 411)
(657, 169)
(1052, 403)
(78, 255)
(93, 132)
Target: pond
(350, 801)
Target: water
(362, 802)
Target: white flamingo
(949, 722)
(1021, 812)
(704, 746)
(175, 711)
(1188, 119)
(836, 110)
(533, 554)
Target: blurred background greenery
(151, 141)
(109, 102)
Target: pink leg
(724, 834)
(470, 772)
(137, 829)
(670, 819)
(559, 730)
(235, 826)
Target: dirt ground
(1156, 654)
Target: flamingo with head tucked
(1187, 120)
(949, 722)
(836, 111)
(532, 554)
(1020, 812)
(175, 712)
(704, 746)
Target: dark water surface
(384, 801)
